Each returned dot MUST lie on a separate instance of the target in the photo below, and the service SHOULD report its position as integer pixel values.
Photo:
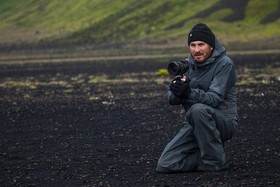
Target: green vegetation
(258, 76)
(63, 86)
(84, 84)
(135, 22)
(162, 72)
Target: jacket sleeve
(172, 99)
(221, 82)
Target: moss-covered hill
(163, 22)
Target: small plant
(162, 72)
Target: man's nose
(196, 48)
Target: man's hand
(180, 87)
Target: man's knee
(197, 110)
(162, 166)
(167, 165)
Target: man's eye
(201, 44)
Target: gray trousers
(199, 140)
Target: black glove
(180, 88)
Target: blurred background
(117, 27)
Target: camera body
(178, 67)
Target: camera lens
(178, 67)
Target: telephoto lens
(178, 67)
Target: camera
(178, 67)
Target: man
(207, 91)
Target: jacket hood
(219, 51)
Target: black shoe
(207, 167)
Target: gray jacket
(212, 83)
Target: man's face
(200, 50)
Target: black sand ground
(106, 124)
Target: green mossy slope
(137, 22)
